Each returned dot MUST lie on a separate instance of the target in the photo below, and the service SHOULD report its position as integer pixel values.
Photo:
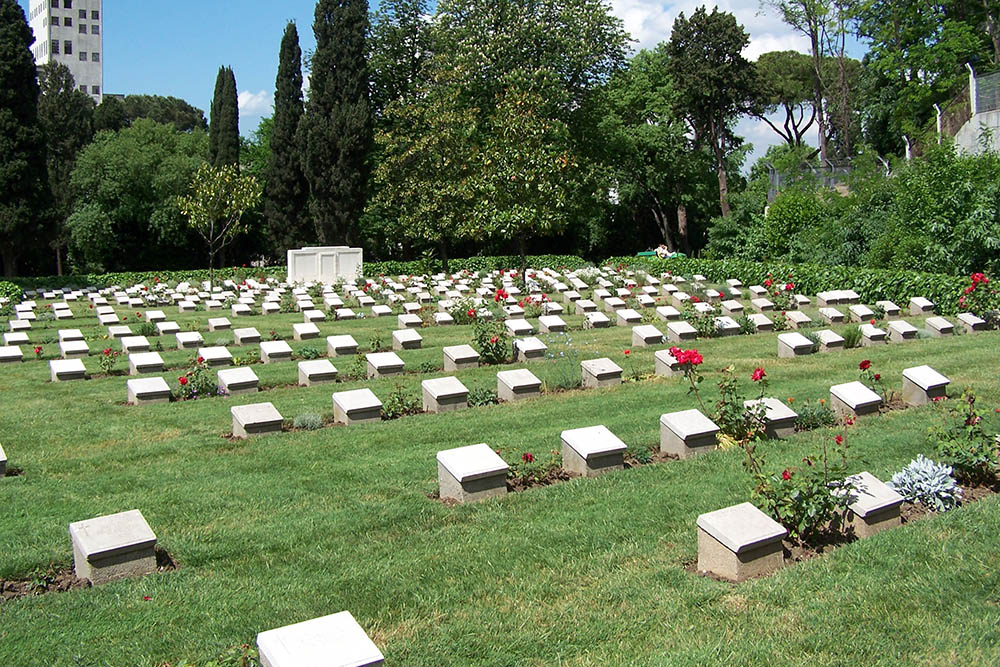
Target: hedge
(239, 273)
(872, 285)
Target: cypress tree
(224, 126)
(336, 130)
(286, 191)
(24, 193)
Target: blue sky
(176, 48)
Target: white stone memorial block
(797, 319)
(762, 305)
(247, 336)
(188, 340)
(687, 433)
(15, 338)
(739, 542)
(901, 330)
(132, 344)
(406, 339)
(733, 282)
(971, 323)
(65, 370)
(186, 306)
(552, 308)
(272, 351)
(381, 311)
(592, 451)
(668, 313)
(383, 364)
(409, 322)
(73, 349)
(111, 547)
(854, 399)
(69, 335)
(757, 290)
(255, 419)
(779, 419)
(613, 303)
(167, 328)
(270, 308)
(801, 301)
(666, 364)
(517, 384)
(359, 406)
(19, 325)
(459, 357)
(219, 324)
(106, 320)
(646, 335)
(828, 298)
(921, 306)
(938, 327)
(600, 373)
(238, 381)
(344, 314)
(519, 327)
(831, 315)
(876, 505)
(830, 340)
(10, 354)
(861, 313)
(332, 641)
(304, 331)
(627, 317)
(761, 322)
(681, 331)
(316, 371)
(891, 309)
(584, 306)
(444, 395)
(313, 315)
(473, 473)
(791, 345)
(551, 324)
(596, 320)
(871, 335)
(732, 308)
(147, 390)
(341, 346)
(142, 363)
(215, 356)
(678, 299)
(923, 384)
(513, 312)
(119, 332)
(526, 349)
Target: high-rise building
(69, 32)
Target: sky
(176, 48)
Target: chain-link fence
(828, 175)
(988, 92)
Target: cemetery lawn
(284, 528)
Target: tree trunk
(818, 91)
(663, 223)
(211, 268)
(682, 228)
(58, 260)
(720, 165)
(9, 261)
(524, 260)
(443, 247)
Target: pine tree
(336, 130)
(287, 192)
(24, 192)
(224, 126)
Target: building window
(83, 56)
(95, 56)
(55, 4)
(95, 29)
(55, 47)
(67, 4)
(95, 15)
(68, 47)
(83, 89)
(68, 21)
(83, 13)
(55, 20)
(45, 22)
(83, 28)
(96, 90)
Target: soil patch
(551, 476)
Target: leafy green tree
(66, 115)
(336, 130)
(110, 114)
(255, 150)
(165, 110)
(24, 192)
(219, 198)
(427, 174)
(286, 191)
(786, 85)
(224, 125)
(400, 50)
(716, 84)
(126, 216)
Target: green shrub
(308, 422)
(310, 353)
(10, 291)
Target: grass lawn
(284, 528)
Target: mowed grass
(283, 528)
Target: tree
(426, 177)
(66, 115)
(400, 50)
(336, 130)
(110, 114)
(219, 198)
(160, 109)
(126, 217)
(24, 192)
(286, 191)
(786, 85)
(224, 125)
(715, 82)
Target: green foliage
(928, 483)
(108, 360)
(959, 434)
(110, 115)
(489, 338)
(24, 191)
(10, 291)
(852, 336)
(310, 352)
(793, 210)
(307, 421)
(224, 122)
(199, 381)
(162, 110)
(480, 396)
(145, 329)
(336, 130)
(399, 404)
(286, 191)
(813, 415)
(786, 88)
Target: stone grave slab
(65, 370)
(761, 322)
(383, 364)
(901, 331)
(876, 505)
(600, 373)
(132, 344)
(15, 338)
(409, 321)
(797, 319)
(518, 384)
(316, 371)
(830, 340)
(646, 335)
(668, 313)
(459, 357)
(470, 474)
(779, 419)
(854, 399)
(871, 335)
(341, 346)
(187, 340)
(331, 641)
(445, 394)
(726, 326)
(592, 451)
(272, 351)
(219, 324)
(519, 327)
(551, 324)
(526, 349)
(921, 306)
(144, 391)
(215, 356)
(831, 315)
(860, 313)
(73, 349)
(596, 320)
(923, 384)
(627, 317)
(791, 345)
(238, 381)
(115, 546)
(313, 315)
(142, 363)
(891, 309)
(167, 328)
(406, 339)
(358, 406)
(939, 327)
(255, 419)
(304, 331)
(739, 542)
(971, 323)
(732, 308)
(680, 331)
(687, 433)
(584, 306)
(10, 354)
(246, 336)
(762, 305)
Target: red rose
(789, 287)
(183, 380)
(201, 360)
(528, 457)
(786, 475)
(878, 377)
(768, 282)
(865, 365)
(471, 312)
(839, 439)
(872, 321)
(628, 352)
(758, 374)
(493, 340)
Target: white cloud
(255, 104)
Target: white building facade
(71, 32)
